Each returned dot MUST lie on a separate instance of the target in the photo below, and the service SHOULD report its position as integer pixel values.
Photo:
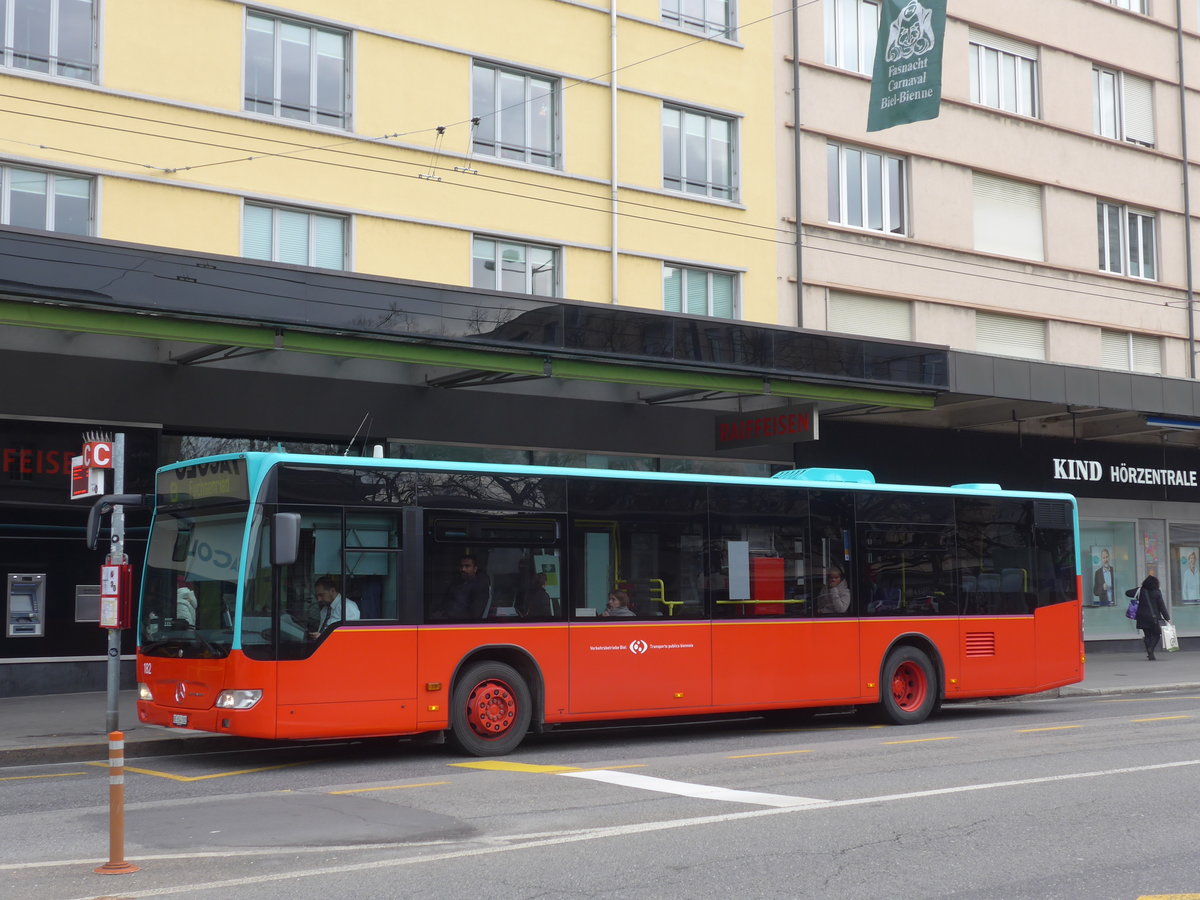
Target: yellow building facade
(616, 155)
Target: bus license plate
(178, 719)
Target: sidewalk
(57, 728)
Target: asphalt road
(1089, 797)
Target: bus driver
(331, 608)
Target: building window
(851, 27)
(293, 236)
(1010, 335)
(1122, 107)
(715, 17)
(297, 71)
(700, 292)
(47, 201)
(1126, 240)
(1131, 352)
(866, 189)
(516, 268)
(1007, 217)
(57, 37)
(1003, 73)
(1137, 6)
(517, 115)
(698, 153)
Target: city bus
(296, 596)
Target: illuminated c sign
(98, 455)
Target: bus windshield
(190, 589)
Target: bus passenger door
(832, 651)
(356, 675)
(652, 652)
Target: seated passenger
(538, 604)
(834, 598)
(618, 605)
(468, 595)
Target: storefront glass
(1109, 563)
(1184, 595)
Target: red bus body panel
(392, 680)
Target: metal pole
(1187, 195)
(116, 556)
(797, 172)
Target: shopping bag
(1170, 640)
(1131, 610)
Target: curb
(97, 751)
(150, 746)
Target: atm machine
(26, 605)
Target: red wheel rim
(909, 686)
(491, 709)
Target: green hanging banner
(907, 83)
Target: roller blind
(1138, 109)
(1002, 42)
(871, 316)
(1008, 217)
(1010, 335)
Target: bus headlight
(144, 691)
(238, 699)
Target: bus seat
(989, 583)
(368, 594)
(1014, 580)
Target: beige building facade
(1042, 215)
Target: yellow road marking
(203, 777)
(1160, 719)
(56, 775)
(495, 765)
(923, 740)
(776, 753)
(394, 787)
(1054, 728)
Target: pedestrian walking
(1151, 612)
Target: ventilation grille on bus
(981, 643)
(1052, 514)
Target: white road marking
(624, 830)
(686, 789)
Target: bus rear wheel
(490, 709)
(908, 687)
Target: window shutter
(1010, 336)
(722, 295)
(329, 240)
(1114, 349)
(1008, 217)
(872, 316)
(696, 285)
(256, 232)
(1007, 44)
(1139, 109)
(672, 289)
(292, 246)
(1147, 354)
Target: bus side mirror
(285, 538)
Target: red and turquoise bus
(292, 596)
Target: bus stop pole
(116, 556)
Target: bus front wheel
(908, 687)
(490, 711)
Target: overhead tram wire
(375, 159)
(380, 141)
(685, 214)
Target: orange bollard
(116, 864)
